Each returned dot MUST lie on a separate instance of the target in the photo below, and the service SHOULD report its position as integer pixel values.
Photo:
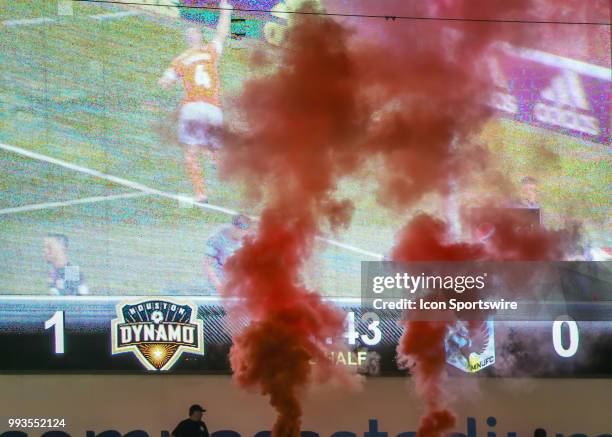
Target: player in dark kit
(64, 277)
(221, 246)
(192, 426)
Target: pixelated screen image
(113, 182)
(91, 151)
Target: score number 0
(574, 336)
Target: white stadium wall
(154, 404)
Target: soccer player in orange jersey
(200, 112)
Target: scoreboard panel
(137, 334)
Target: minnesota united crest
(157, 331)
(470, 346)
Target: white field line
(28, 21)
(48, 20)
(351, 248)
(111, 178)
(112, 16)
(107, 298)
(148, 190)
(85, 200)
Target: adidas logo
(563, 103)
(566, 90)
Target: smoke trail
(437, 85)
(301, 123)
(411, 94)
(425, 239)
(423, 341)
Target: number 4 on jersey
(202, 78)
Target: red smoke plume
(423, 341)
(301, 124)
(410, 92)
(435, 75)
(426, 239)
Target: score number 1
(57, 322)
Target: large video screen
(112, 213)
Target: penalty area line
(85, 200)
(117, 180)
(49, 20)
(115, 15)
(149, 190)
(27, 21)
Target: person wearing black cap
(539, 432)
(193, 425)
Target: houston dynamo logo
(157, 331)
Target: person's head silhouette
(539, 432)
